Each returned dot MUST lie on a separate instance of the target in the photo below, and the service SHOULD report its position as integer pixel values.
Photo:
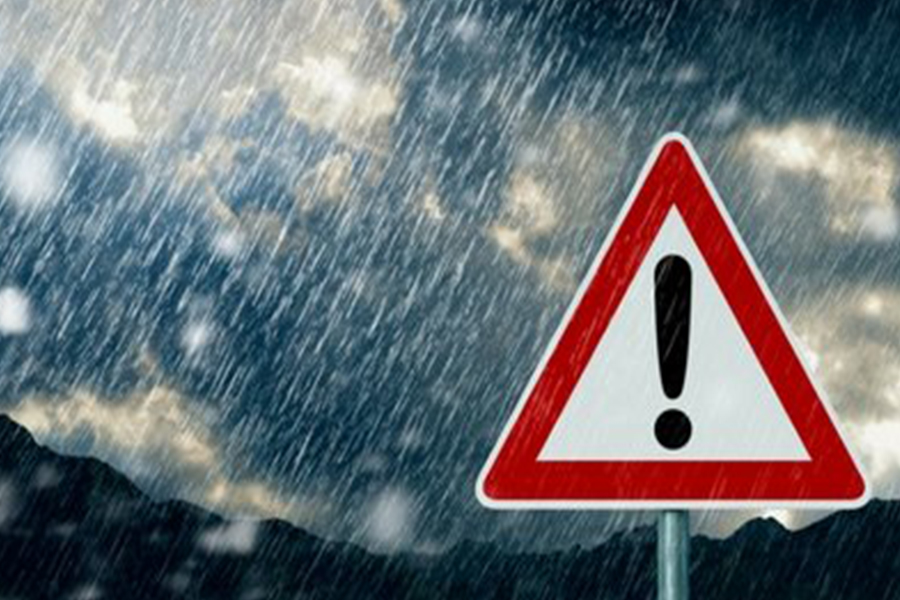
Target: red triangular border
(513, 477)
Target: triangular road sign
(673, 381)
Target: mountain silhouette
(76, 528)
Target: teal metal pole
(673, 543)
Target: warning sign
(673, 380)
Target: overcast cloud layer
(300, 258)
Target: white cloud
(529, 214)
(327, 93)
(529, 204)
(852, 332)
(880, 440)
(249, 497)
(30, 173)
(393, 9)
(15, 311)
(156, 422)
(881, 223)
(216, 157)
(139, 84)
(511, 241)
(432, 206)
(112, 116)
(557, 273)
(234, 101)
(552, 194)
(857, 172)
(554, 272)
(157, 433)
(786, 517)
(333, 174)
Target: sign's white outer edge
(625, 504)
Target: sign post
(673, 541)
(673, 382)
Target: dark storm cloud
(52, 253)
(361, 344)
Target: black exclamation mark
(673, 325)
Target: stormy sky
(299, 258)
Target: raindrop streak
(673, 324)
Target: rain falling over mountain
(298, 259)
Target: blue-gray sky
(299, 258)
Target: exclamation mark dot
(673, 323)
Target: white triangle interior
(734, 412)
